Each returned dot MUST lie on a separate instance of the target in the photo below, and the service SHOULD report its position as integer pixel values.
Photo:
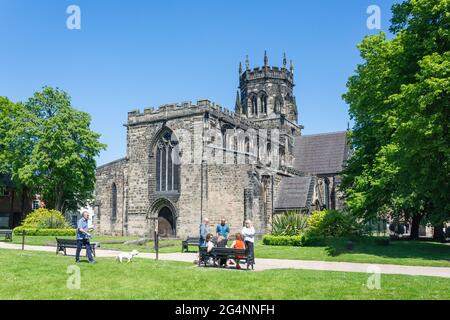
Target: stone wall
(236, 191)
(107, 175)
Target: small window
(114, 202)
(4, 220)
(35, 205)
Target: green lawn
(416, 253)
(40, 275)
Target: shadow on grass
(424, 250)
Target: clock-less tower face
(267, 92)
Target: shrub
(45, 219)
(333, 223)
(293, 241)
(289, 224)
(45, 232)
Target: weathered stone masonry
(188, 161)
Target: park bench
(218, 253)
(63, 244)
(7, 234)
(190, 241)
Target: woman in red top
(238, 244)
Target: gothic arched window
(167, 163)
(247, 150)
(113, 202)
(263, 103)
(254, 105)
(278, 105)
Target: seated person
(238, 244)
(209, 243)
(222, 243)
(209, 246)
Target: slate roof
(321, 153)
(314, 154)
(295, 193)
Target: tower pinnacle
(266, 60)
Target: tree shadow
(411, 249)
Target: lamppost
(156, 235)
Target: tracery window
(167, 164)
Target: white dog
(127, 255)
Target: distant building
(188, 161)
(14, 204)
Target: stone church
(187, 161)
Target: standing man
(223, 230)
(203, 232)
(83, 237)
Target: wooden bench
(63, 244)
(7, 234)
(218, 253)
(190, 241)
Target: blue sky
(139, 53)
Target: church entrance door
(166, 223)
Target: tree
(15, 141)
(50, 148)
(399, 99)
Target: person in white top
(249, 238)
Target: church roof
(321, 153)
(295, 193)
(315, 155)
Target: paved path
(267, 264)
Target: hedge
(293, 241)
(45, 232)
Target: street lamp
(156, 235)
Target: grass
(414, 253)
(39, 275)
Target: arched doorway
(166, 223)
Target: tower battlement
(266, 73)
(183, 109)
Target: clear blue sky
(134, 54)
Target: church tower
(266, 98)
(266, 93)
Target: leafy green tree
(16, 141)
(399, 99)
(49, 147)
